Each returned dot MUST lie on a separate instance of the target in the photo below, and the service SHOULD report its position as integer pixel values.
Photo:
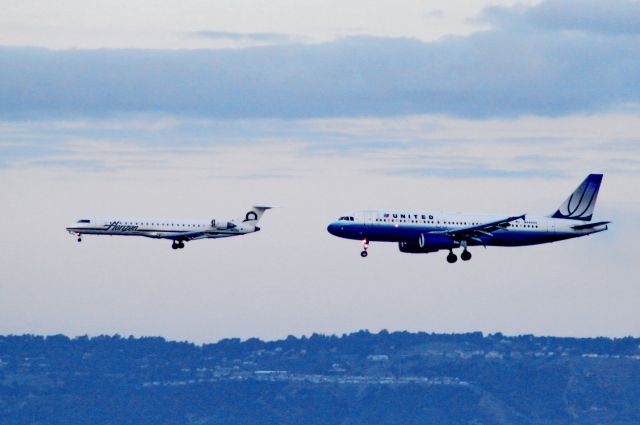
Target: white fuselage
(431, 231)
(160, 227)
(405, 226)
(177, 230)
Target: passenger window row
(160, 224)
(455, 223)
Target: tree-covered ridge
(397, 377)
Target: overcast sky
(201, 109)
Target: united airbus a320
(430, 231)
(178, 231)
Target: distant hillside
(361, 378)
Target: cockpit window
(84, 221)
(343, 219)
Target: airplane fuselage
(157, 228)
(423, 232)
(177, 230)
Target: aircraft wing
(188, 236)
(484, 229)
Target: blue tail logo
(582, 202)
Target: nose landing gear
(79, 237)
(365, 246)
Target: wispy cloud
(617, 17)
(523, 66)
(265, 37)
(477, 171)
(416, 146)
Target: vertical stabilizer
(582, 202)
(253, 215)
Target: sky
(200, 109)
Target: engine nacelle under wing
(222, 224)
(428, 243)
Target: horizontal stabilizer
(589, 225)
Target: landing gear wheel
(181, 245)
(365, 246)
(465, 256)
(174, 245)
(79, 239)
(452, 258)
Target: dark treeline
(359, 378)
(361, 340)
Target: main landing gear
(79, 237)
(464, 256)
(365, 246)
(451, 258)
(177, 245)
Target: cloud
(476, 171)
(594, 16)
(265, 37)
(404, 147)
(511, 70)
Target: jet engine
(428, 243)
(222, 224)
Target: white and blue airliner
(430, 231)
(178, 231)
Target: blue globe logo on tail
(581, 203)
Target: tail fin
(253, 215)
(582, 202)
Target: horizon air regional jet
(430, 231)
(178, 231)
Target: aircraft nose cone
(333, 228)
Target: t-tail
(252, 216)
(582, 202)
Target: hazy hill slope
(361, 378)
